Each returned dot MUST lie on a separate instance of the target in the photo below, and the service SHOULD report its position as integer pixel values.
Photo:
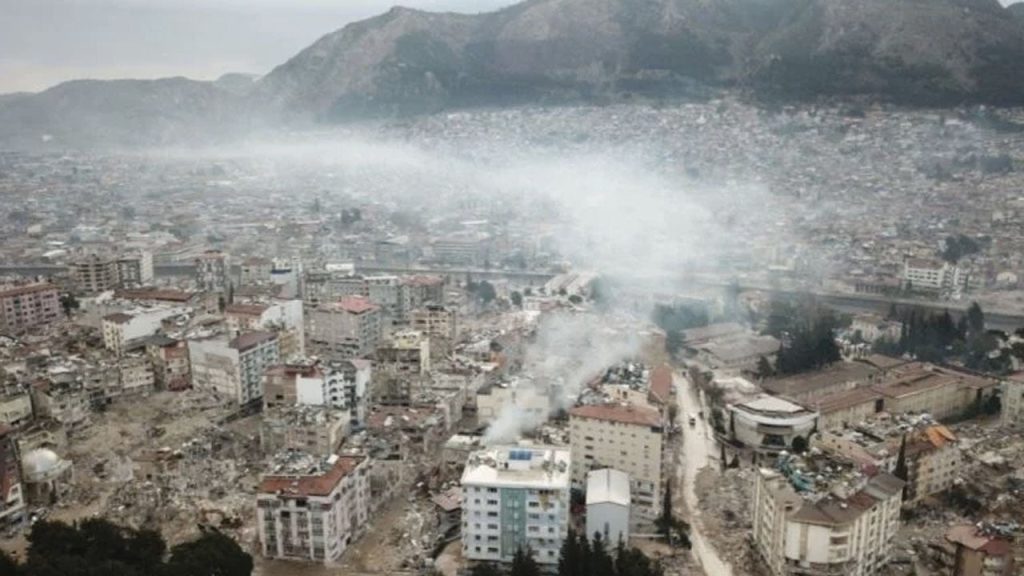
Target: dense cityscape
(709, 339)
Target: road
(698, 449)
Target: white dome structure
(42, 465)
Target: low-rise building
(1012, 399)
(769, 425)
(312, 508)
(941, 392)
(121, 328)
(624, 437)
(608, 506)
(515, 498)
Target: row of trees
(579, 556)
(96, 547)
(807, 332)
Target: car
(693, 419)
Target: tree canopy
(96, 547)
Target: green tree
(601, 563)
(8, 567)
(212, 554)
(517, 299)
(900, 470)
(570, 556)
(69, 303)
(975, 319)
(576, 299)
(764, 367)
(485, 292)
(523, 564)
(485, 569)
(667, 518)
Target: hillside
(915, 52)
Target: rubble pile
(725, 499)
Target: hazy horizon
(46, 42)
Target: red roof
(161, 294)
(246, 309)
(356, 304)
(30, 289)
(660, 384)
(622, 413)
(312, 485)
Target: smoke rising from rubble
(569, 351)
(623, 212)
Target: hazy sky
(44, 42)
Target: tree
(517, 299)
(673, 342)
(667, 519)
(576, 299)
(523, 564)
(570, 556)
(485, 569)
(975, 319)
(212, 554)
(601, 563)
(485, 292)
(8, 567)
(673, 413)
(69, 303)
(900, 470)
(764, 367)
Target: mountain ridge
(408, 61)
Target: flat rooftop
(541, 467)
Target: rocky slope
(408, 61)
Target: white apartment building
(349, 328)
(233, 368)
(121, 328)
(136, 375)
(624, 437)
(515, 498)
(285, 317)
(923, 274)
(312, 509)
(844, 529)
(341, 385)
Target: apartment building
(25, 307)
(406, 353)
(623, 437)
(213, 271)
(169, 357)
(340, 385)
(932, 275)
(15, 406)
(233, 369)
(437, 321)
(313, 508)
(122, 328)
(1013, 399)
(349, 328)
(284, 317)
(980, 551)
(824, 527)
(12, 497)
(311, 429)
(932, 455)
(515, 498)
(94, 273)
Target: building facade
(349, 328)
(623, 437)
(24, 307)
(314, 509)
(846, 535)
(515, 499)
(233, 369)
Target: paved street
(698, 450)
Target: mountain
(121, 113)
(918, 52)
(1017, 10)
(930, 52)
